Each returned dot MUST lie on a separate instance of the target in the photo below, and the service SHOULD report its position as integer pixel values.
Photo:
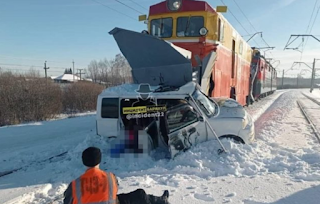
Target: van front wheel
(235, 139)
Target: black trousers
(139, 196)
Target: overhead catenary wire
(128, 6)
(255, 30)
(315, 19)
(109, 7)
(138, 4)
(245, 15)
(314, 7)
(304, 44)
(235, 18)
(238, 21)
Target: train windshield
(161, 27)
(189, 26)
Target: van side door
(185, 128)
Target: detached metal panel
(153, 61)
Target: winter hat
(91, 156)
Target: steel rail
(315, 131)
(312, 99)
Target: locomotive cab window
(161, 28)
(189, 26)
(220, 30)
(240, 48)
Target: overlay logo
(144, 91)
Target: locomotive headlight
(203, 31)
(174, 5)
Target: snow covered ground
(312, 108)
(315, 94)
(25, 143)
(282, 166)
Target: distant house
(66, 78)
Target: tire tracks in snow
(6, 173)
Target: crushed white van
(166, 105)
(172, 118)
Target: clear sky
(60, 31)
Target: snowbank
(282, 166)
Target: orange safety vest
(95, 187)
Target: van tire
(236, 139)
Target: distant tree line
(29, 98)
(68, 71)
(111, 72)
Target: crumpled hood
(153, 60)
(230, 108)
(226, 112)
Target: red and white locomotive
(238, 71)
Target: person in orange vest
(100, 187)
(93, 186)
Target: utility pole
(313, 75)
(80, 73)
(45, 68)
(282, 79)
(73, 70)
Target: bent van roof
(127, 90)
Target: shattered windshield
(204, 103)
(161, 28)
(189, 26)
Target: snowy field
(281, 167)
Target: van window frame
(118, 108)
(184, 125)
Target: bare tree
(32, 73)
(104, 67)
(114, 72)
(93, 69)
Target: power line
(238, 21)
(245, 16)
(235, 17)
(23, 70)
(114, 10)
(250, 23)
(30, 59)
(315, 19)
(305, 44)
(314, 7)
(138, 4)
(24, 65)
(128, 6)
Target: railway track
(312, 99)
(5, 173)
(302, 108)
